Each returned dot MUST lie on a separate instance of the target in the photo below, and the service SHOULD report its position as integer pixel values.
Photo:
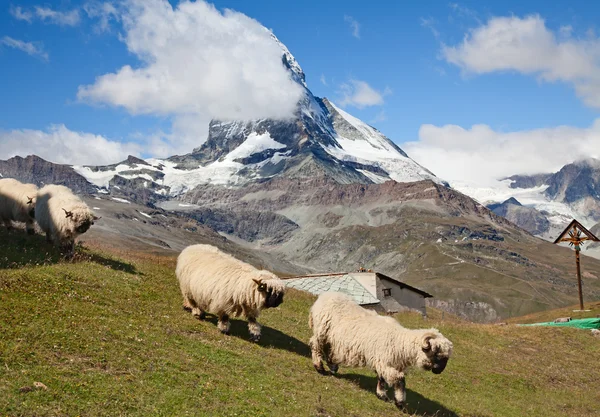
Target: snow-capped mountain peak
(320, 140)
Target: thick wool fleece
(17, 202)
(215, 282)
(345, 333)
(61, 214)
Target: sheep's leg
(223, 324)
(30, 228)
(191, 306)
(254, 329)
(317, 355)
(48, 237)
(68, 249)
(187, 304)
(198, 313)
(395, 378)
(381, 391)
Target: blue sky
(428, 68)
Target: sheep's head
(435, 352)
(31, 206)
(272, 288)
(82, 221)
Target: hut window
(387, 292)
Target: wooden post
(577, 236)
(577, 260)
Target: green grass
(108, 337)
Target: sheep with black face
(17, 203)
(345, 333)
(62, 216)
(215, 282)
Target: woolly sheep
(345, 333)
(212, 281)
(62, 216)
(17, 203)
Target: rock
(39, 385)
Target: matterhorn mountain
(321, 139)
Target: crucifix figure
(577, 235)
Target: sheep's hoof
(320, 369)
(187, 308)
(200, 316)
(401, 405)
(254, 338)
(383, 397)
(225, 332)
(333, 368)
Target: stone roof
(344, 283)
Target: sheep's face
(272, 289)
(31, 206)
(81, 222)
(435, 352)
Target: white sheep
(62, 216)
(17, 203)
(212, 281)
(345, 333)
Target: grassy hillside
(108, 337)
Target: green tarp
(593, 323)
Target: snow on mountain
(321, 139)
(359, 142)
(559, 214)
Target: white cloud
(527, 46)
(21, 14)
(323, 80)
(27, 47)
(105, 12)
(197, 62)
(482, 155)
(360, 94)
(60, 145)
(429, 23)
(46, 14)
(354, 25)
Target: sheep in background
(17, 203)
(212, 281)
(345, 333)
(62, 216)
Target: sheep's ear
(261, 287)
(29, 200)
(96, 218)
(68, 213)
(427, 343)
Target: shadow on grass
(271, 338)
(17, 250)
(417, 405)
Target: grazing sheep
(62, 216)
(215, 282)
(17, 203)
(345, 333)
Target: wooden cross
(576, 235)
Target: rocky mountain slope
(478, 265)
(325, 192)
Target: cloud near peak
(196, 60)
(482, 155)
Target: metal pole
(579, 278)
